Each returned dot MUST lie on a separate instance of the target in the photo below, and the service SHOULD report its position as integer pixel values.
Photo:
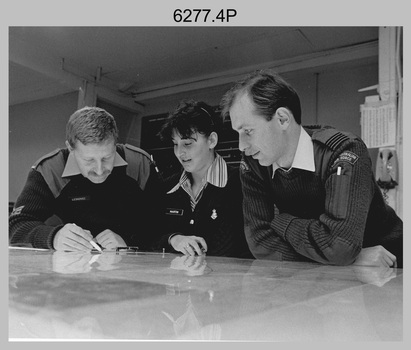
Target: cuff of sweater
(44, 236)
(280, 224)
(171, 236)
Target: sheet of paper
(378, 124)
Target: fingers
(72, 238)
(110, 240)
(104, 239)
(193, 246)
(189, 245)
(77, 230)
(388, 259)
(203, 244)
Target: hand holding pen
(73, 238)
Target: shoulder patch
(51, 167)
(47, 156)
(17, 211)
(347, 156)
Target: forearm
(35, 233)
(336, 236)
(259, 214)
(33, 207)
(322, 240)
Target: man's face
(261, 139)
(95, 161)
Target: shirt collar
(217, 174)
(72, 168)
(304, 154)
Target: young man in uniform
(309, 192)
(95, 190)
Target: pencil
(95, 245)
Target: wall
(327, 97)
(125, 121)
(35, 129)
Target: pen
(339, 170)
(95, 245)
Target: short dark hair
(268, 90)
(189, 117)
(90, 125)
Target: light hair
(91, 125)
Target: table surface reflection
(154, 296)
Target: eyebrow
(184, 138)
(89, 158)
(242, 127)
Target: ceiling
(135, 64)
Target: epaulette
(137, 149)
(138, 168)
(331, 137)
(52, 170)
(47, 156)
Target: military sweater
(48, 201)
(326, 216)
(217, 217)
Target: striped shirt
(217, 175)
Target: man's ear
(68, 146)
(284, 117)
(213, 140)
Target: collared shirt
(72, 168)
(304, 155)
(217, 175)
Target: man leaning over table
(309, 193)
(95, 190)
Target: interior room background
(328, 80)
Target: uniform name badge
(174, 211)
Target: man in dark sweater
(95, 190)
(309, 192)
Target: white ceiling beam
(25, 54)
(321, 59)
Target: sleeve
(258, 210)
(155, 196)
(142, 168)
(165, 228)
(336, 236)
(233, 226)
(33, 207)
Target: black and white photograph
(208, 179)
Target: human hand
(108, 262)
(110, 240)
(376, 275)
(189, 245)
(71, 262)
(194, 265)
(376, 256)
(72, 238)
